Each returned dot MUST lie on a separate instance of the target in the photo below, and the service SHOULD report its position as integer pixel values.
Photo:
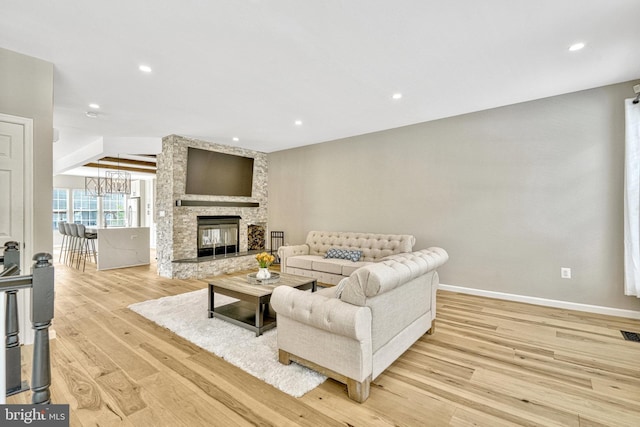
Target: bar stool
(75, 242)
(70, 241)
(80, 230)
(92, 236)
(63, 232)
(86, 237)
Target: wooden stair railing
(41, 283)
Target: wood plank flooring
(489, 363)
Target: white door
(12, 150)
(16, 203)
(12, 143)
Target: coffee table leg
(211, 303)
(259, 319)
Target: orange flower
(265, 259)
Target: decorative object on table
(253, 280)
(263, 273)
(264, 260)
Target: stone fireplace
(186, 245)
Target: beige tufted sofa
(353, 332)
(308, 259)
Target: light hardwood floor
(489, 363)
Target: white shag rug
(186, 315)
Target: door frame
(26, 247)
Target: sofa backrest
(399, 291)
(378, 278)
(373, 246)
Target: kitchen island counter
(122, 247)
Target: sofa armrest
(285, 252)
(328, 314)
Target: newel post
(14, 382)
(11, 254)
(41, 316)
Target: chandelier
(114, 182)
(118, 182)
(94, 186)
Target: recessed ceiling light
(298, 122)
(91, 114)
(576, 46)
(144, 68)
(94, 106)
(236, 139)
(397, 96)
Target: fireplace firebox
(218, 235)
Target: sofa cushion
(349, 268)
(352, 255)
(329, 292)
(333, 266)
(340, 267)
(302, 261)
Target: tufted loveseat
(310, 258)
(354, 331)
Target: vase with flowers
(264, 260)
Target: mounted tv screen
(218, 174)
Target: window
(85, 209)
(60, 205)
(113, 209)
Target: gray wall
(26, 90)
(512, 194)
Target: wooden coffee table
(252, 311)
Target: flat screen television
(218, 174)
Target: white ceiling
(250, 68)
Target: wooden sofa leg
(359, 391)
(284, 357)
(432, 329)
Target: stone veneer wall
(177, 225)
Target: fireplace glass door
(217, 239)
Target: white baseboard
(631, 314)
